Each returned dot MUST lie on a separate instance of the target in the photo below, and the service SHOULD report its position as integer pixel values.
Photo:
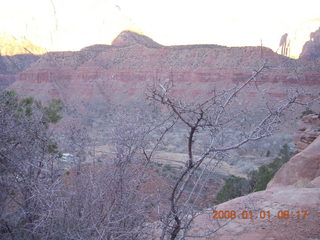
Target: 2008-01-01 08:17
(261, 214)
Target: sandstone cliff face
(122, 71)
(304, 167)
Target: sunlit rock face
(15, 56)
(10, 45)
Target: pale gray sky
(73, 24)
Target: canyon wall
(121, 72)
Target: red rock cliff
(121, 71)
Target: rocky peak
(10, 45)
(129, 38)
(311, 49)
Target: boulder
(301, 169)
(308, 131)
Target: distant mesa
(121, 72)
(129, 38)
(10, 45)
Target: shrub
(258, 179)
(234, 187)
(28, 169)
(307, 112)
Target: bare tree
(27, 153)
(221, 118)
(106, 199)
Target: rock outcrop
(308, 131)
(302, 222)
(295, 189)
(128, 38)
(311, 49)
(304, 167)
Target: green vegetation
(167, 167)
(268, 153)
(52, 111)
(28, 115)
(53, 149)
(261, 177)
(234, 187)
(27, 106)
(258, 179)
(307, 111)
(28, 163)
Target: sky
(60, 25)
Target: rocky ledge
(292, 199)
